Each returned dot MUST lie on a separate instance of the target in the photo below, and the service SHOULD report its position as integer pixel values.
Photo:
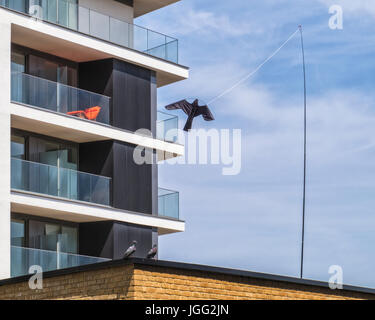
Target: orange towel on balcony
(89, 113)
(92, 113)
(79, 114)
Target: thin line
(304, 150)
(255, 71)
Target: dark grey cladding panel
(131, 88)
(110, 239)
(131, 97)
(132, 183)
(124, 234)
(96, 239)
(134, 187)
(96, 76)
(133, 92)
(96, 158)
(127, 2)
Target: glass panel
(158, 52)
(35, 9)
(61, 182)
(167, 127)
(17, 147)
(168, 203)
(68, 14)
(50, 239)
(18, 176)
(50, 10)
(18, 62)
(17, 66)
(84, 20)
(19, 5)
(139, 38)
(17, 232)
(43, 68)
(61, 98)
(171, 51)
(99, 25)
(52, 229)
(51, 155)
(155, 39)
(119, 32)
(22, 258)
(98, 189)
(53, 236)
(84, 187)
(71, 239)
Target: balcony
(75, 185)
(75, 102)
(167, 127)
(23, 258)
(168, 204)
(60, 182)
(57, 97)
(98, 25)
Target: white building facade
(78, 80)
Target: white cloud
(206, 22)
(201, 23)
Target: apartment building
(78, 80)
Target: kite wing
(206, 113)
(183, 105)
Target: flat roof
(188, 267)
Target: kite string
(254, 71)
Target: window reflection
(53, 237)
(17, 147)
(18, 233)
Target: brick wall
(108, 283)
(166, 283)
(137, 281)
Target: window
(18, 62)
(53, 236)
(18, 233)
(18, 177)
(17, 69)
(53, 153)
(18, 147)
(50, 167)
(71, 235)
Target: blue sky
(253, 221)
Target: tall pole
(304, 152)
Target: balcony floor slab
(76, 211)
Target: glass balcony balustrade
(73, 16)
(167, 127)
(168, 203)
(60, 182)
(57, 97)
(54, 96)
(23, 258)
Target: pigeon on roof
(130, 250)
(152, 253)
